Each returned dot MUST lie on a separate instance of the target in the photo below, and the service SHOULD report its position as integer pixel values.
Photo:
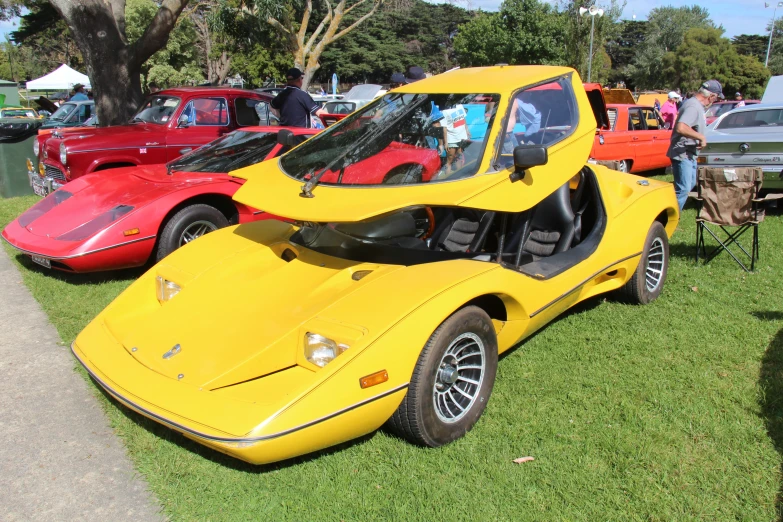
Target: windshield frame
(371, 107)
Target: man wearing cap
(669, 110)
(687, 138)
(78, 93)
(414, 73)
(295, 106)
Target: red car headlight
(43, 206)
(96, 224)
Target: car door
(199, 121)
(614, 144)
(660, 137)
(252, 111)
(646, 138)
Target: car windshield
(157, 109)
(761, 118)
(17, 113)
(231, 152)
(399, 139)
(63, 112)
(719, 108)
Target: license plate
(41, 261)
(39, 189)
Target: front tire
(624, 166)
(452, 381)
(647, 281)
(188, 224)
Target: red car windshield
(231, 152)
(157, 109)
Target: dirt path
(59, 459)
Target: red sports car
(119, 218)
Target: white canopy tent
(62, 78)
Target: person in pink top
(669, 110)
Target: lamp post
(592, 11)
(772, 30)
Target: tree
(43, 41)
(665, 30)
(522, 32)
(577, 30)
(705, 54)
(291, 19)
(113, 62)
(175, 64)
(751, 45)
(623, 47)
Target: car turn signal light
(374, 379)
(130, 232)
(41, 169)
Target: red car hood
(97, 193)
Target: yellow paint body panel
(240, 382)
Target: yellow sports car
(387, 301)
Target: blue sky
(736, 16)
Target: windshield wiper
(307, 188)
(136, 119)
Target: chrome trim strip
(118, 148)
(30, 252)
(214, 438)
(574, 289)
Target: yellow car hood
(275, 298)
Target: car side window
(207, 112)
(251, 112)
(652, 120)
(539, 115)
(635, 120)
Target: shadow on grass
(90, 278)
(215, 456)
(771, 397)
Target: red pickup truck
(168, 124)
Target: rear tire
(404, 174)
(452, 381)
(188, 224)
(624, 166)
(647, 281)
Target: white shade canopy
(62, 78)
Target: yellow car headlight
(321, 350)
(166, 289)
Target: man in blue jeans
(687, 138)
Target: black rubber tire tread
(635, 290)
(397, 174)
(169, 239)
(415, 419)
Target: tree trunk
(114, 65)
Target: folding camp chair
(728, 199)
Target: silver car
(750, 136)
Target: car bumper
(42, 186)
(183, 408)
(65, 256)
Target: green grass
(673, 411)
